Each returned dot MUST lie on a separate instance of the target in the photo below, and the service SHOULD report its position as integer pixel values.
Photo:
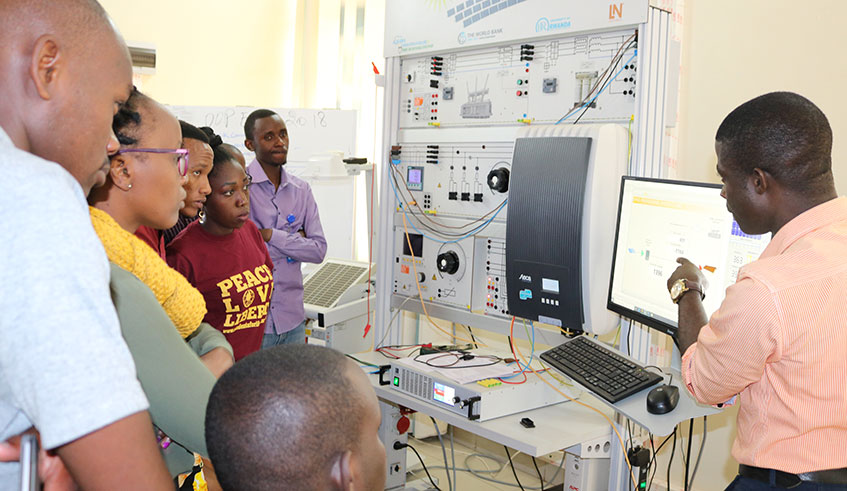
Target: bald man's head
(65, 72)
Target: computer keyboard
(599, 369)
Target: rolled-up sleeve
(733, 349)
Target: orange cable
(420, 293)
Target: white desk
(557, 427)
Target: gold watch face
(677, 289)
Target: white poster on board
(311, 131)
(422, 26)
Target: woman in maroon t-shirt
(225, 258)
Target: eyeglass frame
(182, 162)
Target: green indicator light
(520, 82)
(642, 485)
(396, 381)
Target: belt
(787, 480)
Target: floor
(495, 466)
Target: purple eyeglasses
(181, 160)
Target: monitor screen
(659, 221)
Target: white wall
(736, 50)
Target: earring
(202, 215)
(129, 186)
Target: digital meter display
(443, 393)
(549, 286)
(414, 178)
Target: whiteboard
(310, 131)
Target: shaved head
(65, 72)
(295, 417)
(22, 18)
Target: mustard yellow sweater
(182, 302)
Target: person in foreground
(64, 368)
(779, 339)
(295, 417)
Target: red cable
(370, 249)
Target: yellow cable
(601, 413)
(420, 293)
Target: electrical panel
(538, 82)
(459, 116)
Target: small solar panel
(325, 286)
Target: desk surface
(557, 427)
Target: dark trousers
(746, 484)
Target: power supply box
(478, 401)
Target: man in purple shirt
(283, 208)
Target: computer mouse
(662, 399)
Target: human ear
(249, 145)
(760, 180)
(342, 472)
(45, 66)
(120, 172)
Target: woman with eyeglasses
(225, 257)
(162, 311)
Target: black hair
(250, 123)
(214, 138)
(782, 133)
(191, 131)
(280, 417)
(220, 155)
(127, 122)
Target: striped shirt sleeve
(733, 349)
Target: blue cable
(566, 116)
(531, 354)
(469, 234)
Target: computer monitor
(661, 220)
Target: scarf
(182, 302)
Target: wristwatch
(681, 286)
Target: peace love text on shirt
(250, 282)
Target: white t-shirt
(64, 367)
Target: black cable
(616, 58)
(513, 467)
(472, 337)
(398, 445)
(653, 460)
(540, 479)
(670, 461)
(493, 360)
(608, 79)
(688, 452)
(699, 454)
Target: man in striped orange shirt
(779, 340)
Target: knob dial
(457, 400)
(448, 262)
(498, 180)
